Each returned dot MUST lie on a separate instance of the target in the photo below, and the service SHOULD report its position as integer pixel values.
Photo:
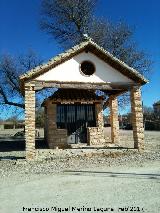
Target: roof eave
(32, 74)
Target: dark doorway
(76, 118)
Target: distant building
(156, 107)
(11, 125)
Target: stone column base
(95, 136)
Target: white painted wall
(69, 71)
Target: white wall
(69, 71)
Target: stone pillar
(51, 121)
(99, 116)
(45, 123)
(137, 118)
(113, 104)
(51, 115)
(30, 122)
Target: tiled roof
(89, 46)
(74, 94)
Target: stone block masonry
(95, 135)
(30, 122)
(56, 138)
(137, 118)
(113, 104)
(99, 116)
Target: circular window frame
(91, 64)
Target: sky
(19, 31)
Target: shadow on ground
(105, 147)
(8, 144)
(113, 174)
(18, 144)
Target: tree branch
(6, 101)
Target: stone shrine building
(74, 113)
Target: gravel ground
(102, 178)
(86, 158)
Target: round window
(87, 68)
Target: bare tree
(68, 20)
(148, 113)
(10, 69)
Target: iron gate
(76, 118)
